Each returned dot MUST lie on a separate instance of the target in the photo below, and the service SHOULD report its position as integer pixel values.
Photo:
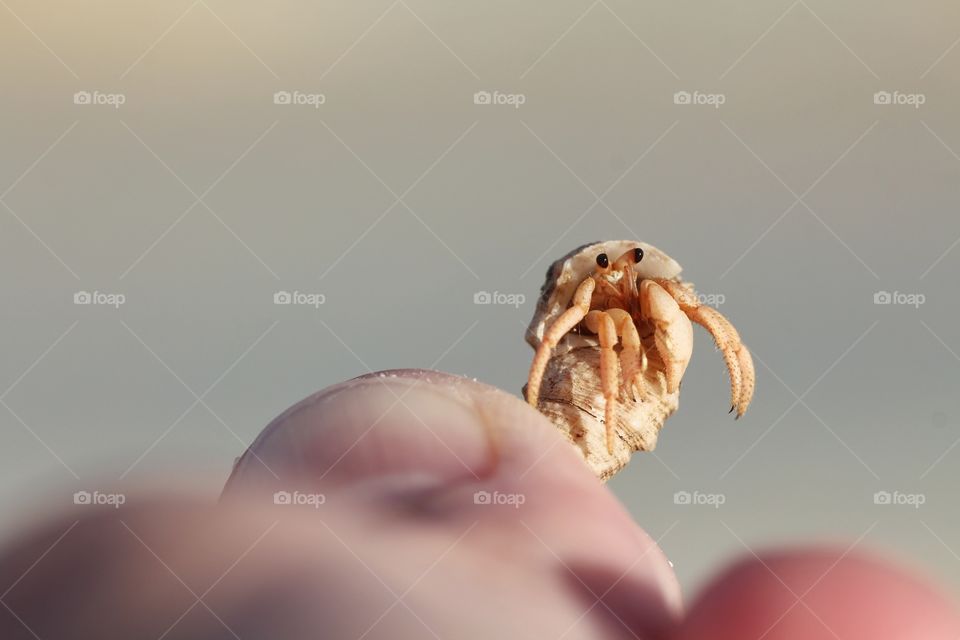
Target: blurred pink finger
(819, 594)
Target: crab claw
(672, 331)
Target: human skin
(400, 548)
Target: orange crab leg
(601, 323)
(567, 321)
(633, 357)
(735, 354)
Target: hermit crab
(613, 335)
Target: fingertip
(819, 594)
(460, 439)
(391, 423)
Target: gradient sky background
(797, 200)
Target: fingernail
(393, 424)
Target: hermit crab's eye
(603, 261)
(637, 254)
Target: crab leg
(735, 354)
(633, 358)
(601, 323)
(567, 321)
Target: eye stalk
(628, 259)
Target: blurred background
(174, 172)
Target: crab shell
(571, 394)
